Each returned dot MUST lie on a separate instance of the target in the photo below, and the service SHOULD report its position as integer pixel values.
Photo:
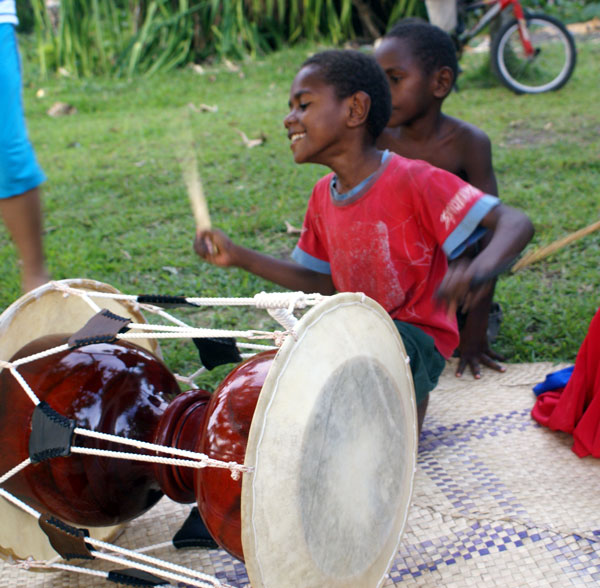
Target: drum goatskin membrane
(333, 443)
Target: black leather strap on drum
(164, 301)
(193, 533)
(67, 541)
(216, 351)
(103, 327)
(51, 433)
(133, 577)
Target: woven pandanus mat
(498, 501)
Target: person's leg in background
(20, 174)
(22, 216)
(442, 13)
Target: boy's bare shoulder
(472, 151)
(466, 135)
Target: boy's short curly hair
(350, 71)
(432, 46)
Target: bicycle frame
(495, 8)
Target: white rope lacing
(15, 470)
(191, 379)
(261, 300)
(198, 333)
(30, 563)
(160, 312)
(191, 576)
(166, 332)
(152, 459)
(182, 575)
(84, 294)
(19, 503)
(280, 305)
(26, 387)
(154, 547)
(193, 459)
(256, 346)
(157, 566)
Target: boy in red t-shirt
(419, 60)
(379, 223)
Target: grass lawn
(116, 208)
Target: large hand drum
(333, 444)
(326, 431)
(46, 311)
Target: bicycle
(530, 53)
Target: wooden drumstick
(193, 183)
(195, 192)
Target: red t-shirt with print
(387, 239)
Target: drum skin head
(333, 445)
(44, 311)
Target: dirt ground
(588, 28)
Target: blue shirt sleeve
(310, 262)
(469, 231)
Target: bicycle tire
(549, 69)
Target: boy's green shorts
(426, 362)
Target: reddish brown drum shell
(225, 437)
(117, 388)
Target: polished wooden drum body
(122, 389)
(119, 389)
(225, 437)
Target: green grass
(116, 208)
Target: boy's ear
(358, 108)
(443, 80)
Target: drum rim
(249, 501)
(34, 296)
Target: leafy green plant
(116, 37)
(566, 10)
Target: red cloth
(575, 409)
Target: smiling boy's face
(411, 87)
(316, 122)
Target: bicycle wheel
(551, 65)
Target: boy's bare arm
(477, 160)
(216, 248)
(474, 349)
(467, 281)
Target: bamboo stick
(543, 252)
